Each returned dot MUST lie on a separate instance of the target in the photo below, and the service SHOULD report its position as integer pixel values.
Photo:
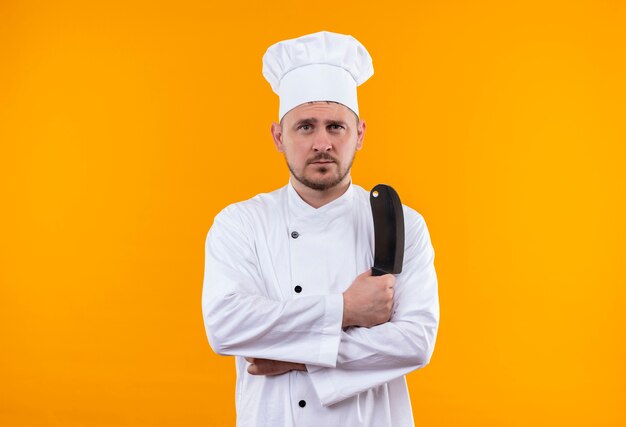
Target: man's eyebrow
(313, 121)
(309, 120)
(335, 122)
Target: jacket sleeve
(241, 319)
(369, 357)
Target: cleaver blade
(388, 230)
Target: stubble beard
(324, 183)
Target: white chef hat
(322, 66)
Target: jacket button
(295, 234)
(298, 289)
(302, 403)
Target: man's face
(319, 141)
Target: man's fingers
(390, 280)
(271, 367)
(257, 366)
(253, 369)
(366, 273)
(265, 367)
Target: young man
(288, 289)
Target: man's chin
(320, 178)
(321, 184)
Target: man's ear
(277, 135)
(360, 132)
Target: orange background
(126, 126)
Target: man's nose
(322, 142)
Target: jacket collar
(299, 208)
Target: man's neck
(319, 198)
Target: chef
(288, 290)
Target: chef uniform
(276, 268)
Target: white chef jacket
(275, 271)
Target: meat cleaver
(388, 230)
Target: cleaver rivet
(375, 193)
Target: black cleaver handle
(388, 230)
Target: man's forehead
(320, 109)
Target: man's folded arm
(241, 322)
(307, 330)
(369, 357)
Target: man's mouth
(321, 160)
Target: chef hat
(322, 66)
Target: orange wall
(125, 126)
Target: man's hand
(369, 300)
(272, 367)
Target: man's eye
(336, 127)
(305, 127)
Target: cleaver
(388, 230)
